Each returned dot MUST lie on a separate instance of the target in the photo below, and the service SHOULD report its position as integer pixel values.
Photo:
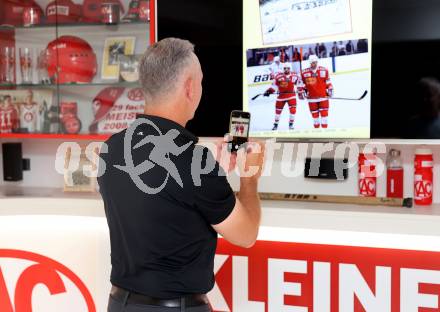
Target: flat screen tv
(394, 54)
(307, 68)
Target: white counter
(71, 229)
(419, 220)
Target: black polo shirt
(162, 241)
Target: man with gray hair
(166, 198)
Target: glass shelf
(56, 136)
(92, 84)
(71, 25)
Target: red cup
(423, 177)
(31, 16)
(110, 13)
(367, 175)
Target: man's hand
(226, 160)
(241, 226)
(251, 161)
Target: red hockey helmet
(11, 11)
(70, 60)
(62, 11)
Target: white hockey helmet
(276, 59)
(313, 58)
(286, 65)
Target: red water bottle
(394, 175)
(367, 175)
(423, 176)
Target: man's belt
(193, 300)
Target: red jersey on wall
(8, 118)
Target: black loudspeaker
(13, 162)
(326, 168)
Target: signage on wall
(32, 282)
(293, 277)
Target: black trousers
(118, 306)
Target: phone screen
(239, 129)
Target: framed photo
(82, 178)
(114, 47)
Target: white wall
(43, 174)
(42, 156)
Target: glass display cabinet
(69, 69)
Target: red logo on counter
(423, 189)
(295, 277)
(367, 187)
(37, 271)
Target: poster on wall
(307, 73)
(115, 108)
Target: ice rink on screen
(342, 114)
(284, 20)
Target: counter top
(281, 221)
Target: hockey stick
(276, 93)
(350, 99)
(355, 200)
(330, 98)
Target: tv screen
(404, 49)
(307, 68)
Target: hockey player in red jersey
(317, 88)
(284, 83)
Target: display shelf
(60, 136)
(41, 114)
(92, 84)
(396, 141)
(73, 25)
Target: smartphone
(239, 130)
